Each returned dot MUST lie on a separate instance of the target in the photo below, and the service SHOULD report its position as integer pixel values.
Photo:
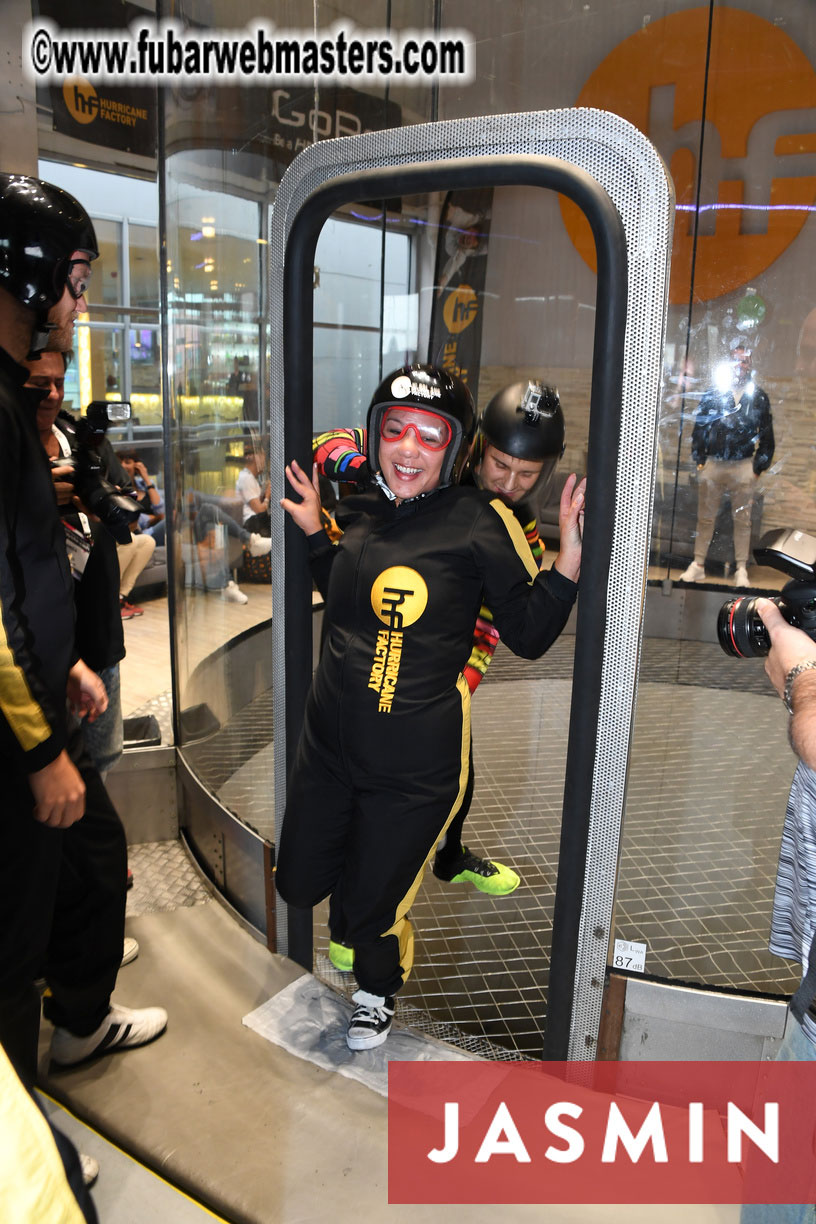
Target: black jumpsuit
(382, 763)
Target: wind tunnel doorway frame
(614, 174)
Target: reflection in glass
(105, 285)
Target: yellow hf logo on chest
(399, 596)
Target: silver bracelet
(808, 665)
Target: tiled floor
(709, 775)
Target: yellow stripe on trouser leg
(402, 927)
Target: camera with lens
(740, 629)
(93, 488)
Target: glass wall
(227, 148)
(217, 382)
(118, 355)
(727, 94)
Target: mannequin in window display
(732, 444)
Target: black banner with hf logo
(120, 117)
(459, 282)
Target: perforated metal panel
(629, 169)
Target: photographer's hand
(64, 490)
(790, 647)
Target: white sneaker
(89, 1167)
(233, 593)
(122, 1029)
(694, 573)
(130, 950)
(741, 577)
(259, 546)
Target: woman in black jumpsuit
(382, 763)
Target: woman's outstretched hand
(305, 512)
(571, 522)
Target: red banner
(605, 1132)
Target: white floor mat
(310, 1020)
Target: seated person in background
(205, 517)
(133, 558)
(148, 496)
(255, 499)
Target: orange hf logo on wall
(81, 99)
(758, 138)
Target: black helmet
(432, 390)
(40, 228)
(524, 420)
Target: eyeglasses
(79, 274)
(431, 431)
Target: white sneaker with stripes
(122, 1029)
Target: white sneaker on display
(259, 546)
(694, 573)
(232, 593)
(741, 577)
(122, 1029)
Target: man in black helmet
(519, 440)
(382, 764)
(45, 791)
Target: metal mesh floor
(164, 879)
(708, 783)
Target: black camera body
(740, 628)
(115, 510)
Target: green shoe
(341, 956)
(489, 877)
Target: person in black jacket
(45, 793)
(382, 764)
(732, 444)
(100, 638)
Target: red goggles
(431, 431)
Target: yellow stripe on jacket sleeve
(516, 533)
(17, 704)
